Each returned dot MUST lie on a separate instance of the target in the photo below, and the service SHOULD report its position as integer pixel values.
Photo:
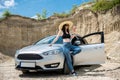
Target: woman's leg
(75, 49)
(68, 58)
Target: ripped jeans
(67, 47)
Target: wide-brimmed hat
(70, 23)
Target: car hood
(39, 48)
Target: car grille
(29, 57)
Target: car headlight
(52, 52)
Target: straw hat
(66, 22)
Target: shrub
(38, 16)
(6, 13)
(102, 5)
(42, 16)
(115, 2)
(63, 14)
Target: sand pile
(112, 37)
(112, 45)
(3, 58)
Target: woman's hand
(72, 36)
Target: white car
(40, 56)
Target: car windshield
(48, 40)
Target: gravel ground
(107, 71)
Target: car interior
(77, 40)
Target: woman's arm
(73, 32)
(56, 38)
(74, 29)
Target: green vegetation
(101, 5)
(115, 2)
(63, 14)
(42, 16)
(6, 14)
(38, 16)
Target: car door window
(94, 38)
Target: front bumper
(50, 62)
(38, 68)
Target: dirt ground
(108, 71)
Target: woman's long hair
(64, 28)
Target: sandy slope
(112, 45)
(3, 58)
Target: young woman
(64, 28)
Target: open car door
(91, 53)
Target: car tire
(25, 71)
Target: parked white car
(40, 56)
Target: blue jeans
(67, 47)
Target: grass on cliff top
(101, 5)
